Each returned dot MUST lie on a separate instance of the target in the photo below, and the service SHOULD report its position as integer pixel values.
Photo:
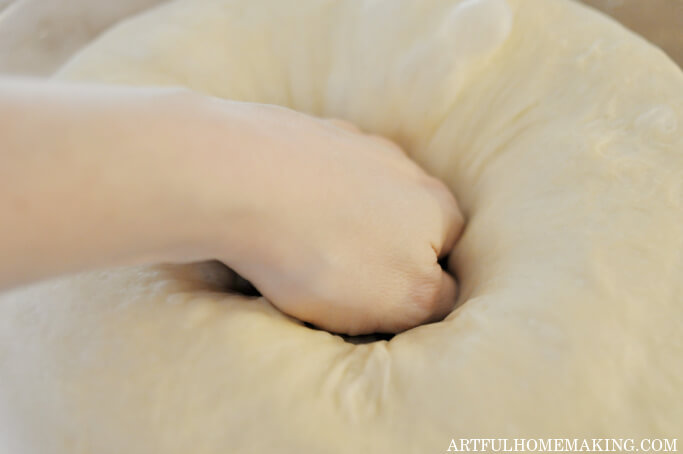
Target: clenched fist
(337, 228)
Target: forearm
(82, 183)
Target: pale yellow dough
(560, 133)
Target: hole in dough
(361, 339)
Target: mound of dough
(560, 134)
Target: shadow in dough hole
(360, 339)
(244, 287)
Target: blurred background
(659, 21)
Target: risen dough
(560, 134)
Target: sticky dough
(559, 132)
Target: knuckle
(342, 124)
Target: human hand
(335, 227)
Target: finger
(429, 304)
(391, 146)
(444, 301)
(455, 223)
(453, 219)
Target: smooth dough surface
(560, 133)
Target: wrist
(209, 177)
(151, 203)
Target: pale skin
(333, 226)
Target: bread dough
(559, 133)
(38, 36)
